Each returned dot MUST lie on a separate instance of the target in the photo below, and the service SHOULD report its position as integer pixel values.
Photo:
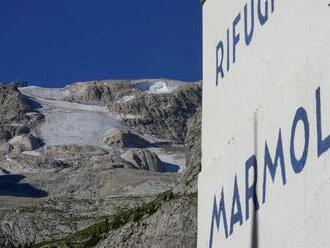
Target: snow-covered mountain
(67, 122)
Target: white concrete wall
(287, 60)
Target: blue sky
(52, 43)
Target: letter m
(217, 212)
(272, 166)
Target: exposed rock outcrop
(164, 115)
(25, 142)
(8, 131)
(99, 92)
(77, 200)
(6, 148)
(174, 224)
(16, 113)
(143, 159)
(73, 151)
(86, 156)
(75, 157)
(13, 105)
(187, 183)
(125, 139)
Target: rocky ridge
(157, 107)
(90, 195)
(164, 115)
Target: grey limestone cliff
(174, 223)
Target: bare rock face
(6, 148)
(143, 159)
(89, 93)
(187, 183)
(174, 223)
(7, 131)
(164, 115)
(85, 156)
(25, 142)
(13, 105)
(16, 113)
(99, 92)
(125, 139)
(73, 151)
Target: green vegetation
(92, 235)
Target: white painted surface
(280, 71)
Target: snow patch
(47, 93)
(126, 99)
(174, 160)
(157, 86)
(130, 116)
(48, 103)
(32, 153)
(68, 123)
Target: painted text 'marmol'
(224, 222)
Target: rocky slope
(16, 114)
(174, 223)
(163, 114)
(95, 180)
(168, 221)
